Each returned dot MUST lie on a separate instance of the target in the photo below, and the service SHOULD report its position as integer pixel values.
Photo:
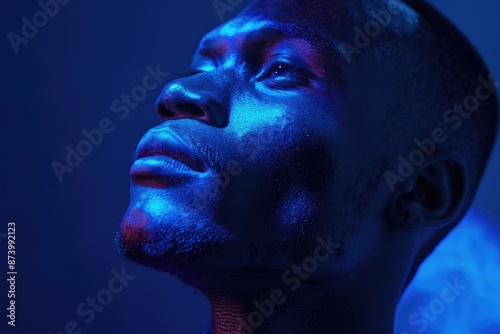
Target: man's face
(260, 151)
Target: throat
(312, 310)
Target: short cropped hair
(443, 75)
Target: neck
(308, 309)
(362, 300)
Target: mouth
(161, 152)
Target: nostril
(190, 109)
(163, 111)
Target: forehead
(250, 30)
(322, 23)
(326, 23)
(315, 14)
(240, 25)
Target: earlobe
(432, 198)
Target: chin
(170, 243)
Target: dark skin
(296, 129)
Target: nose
(197, 97)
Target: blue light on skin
(320, 176)
(259, 104)
(284, 89)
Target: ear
(432, 197)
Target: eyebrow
(268, 33)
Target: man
(314, 157)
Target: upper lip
(164, 142)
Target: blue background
(62, 82)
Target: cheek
(296, 149)
(308, 165)
(249, 115)
(275, 128)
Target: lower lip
(159, 171)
